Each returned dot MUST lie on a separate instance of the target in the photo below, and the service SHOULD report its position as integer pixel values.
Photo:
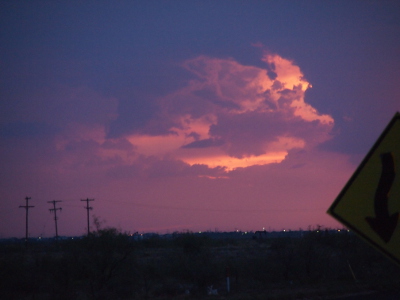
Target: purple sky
(189, 115)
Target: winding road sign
(369, 204)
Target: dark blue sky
(78, 79)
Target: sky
(189, 115)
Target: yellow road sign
(369, 204)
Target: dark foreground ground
(320, 264)
(373, 296)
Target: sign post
(369, 204)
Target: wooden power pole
(27, 207)
(87, 207)
(54, 209)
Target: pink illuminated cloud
(229, 116)
(232, 115)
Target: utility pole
(27, 207)
(87, 207)
(54, 209)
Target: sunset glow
(189, 115)
(231, 163)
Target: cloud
(204, 143)
(71, 124)
(153, 167)
(228, 116)
(233, 115)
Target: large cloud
(228, 116)
(232, 115)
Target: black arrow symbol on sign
(383, 224)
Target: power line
(87, 207)
(54, 209)
(27, 207)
